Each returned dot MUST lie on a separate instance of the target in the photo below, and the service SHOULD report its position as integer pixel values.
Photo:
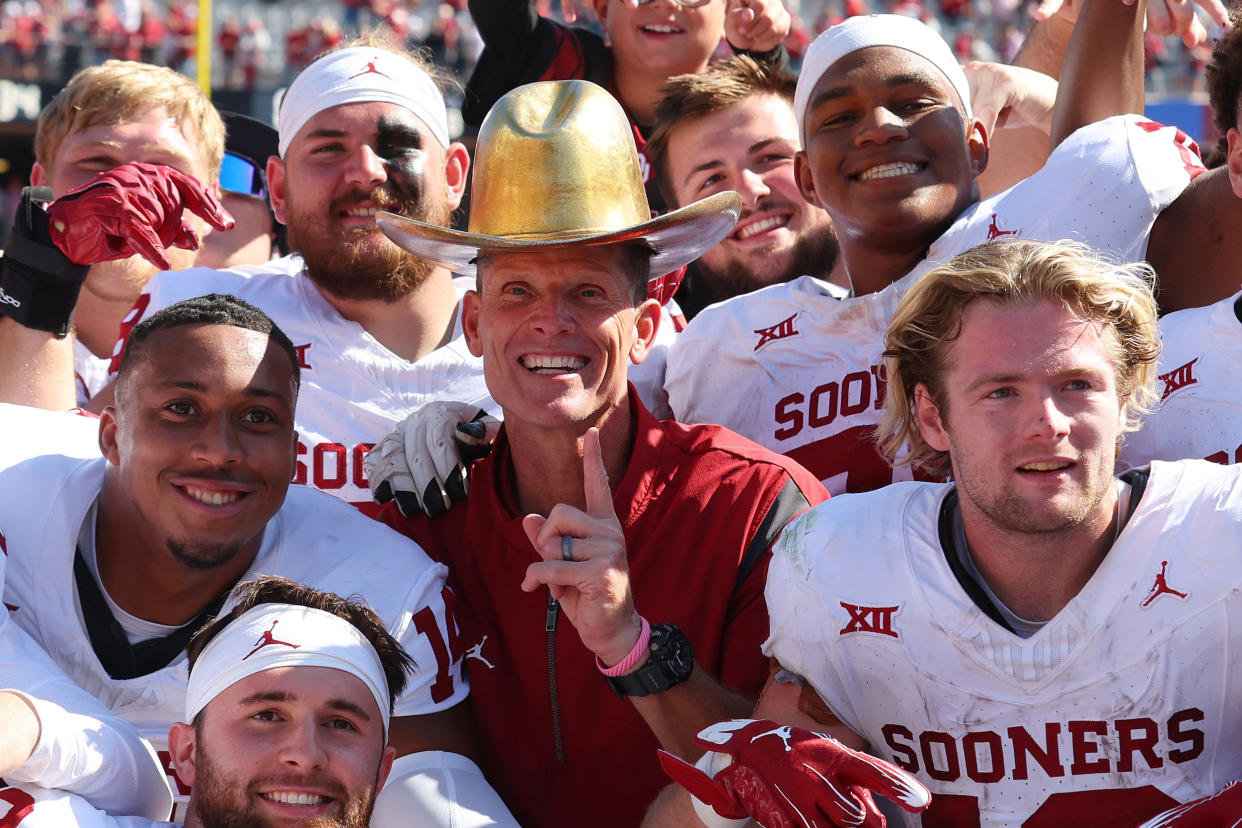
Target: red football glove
(134, 208)
(1222, 809)
(787, 777)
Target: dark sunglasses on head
(239, 174)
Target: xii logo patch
(781, 330)
(878, 620)
(1178, 378)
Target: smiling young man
(1055, 644)
(106, 116)
(292, 733)
(892, 151)
(586, 492)
(115, 562)
(732, 127)
(377, 330)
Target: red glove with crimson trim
(788, 777)
(1222, 809)
(132, 209)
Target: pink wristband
(626, 664)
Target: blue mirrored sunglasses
(241, 175)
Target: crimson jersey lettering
(1094, 747)
(1107, 694)
(878, 620)
(1178, 378)
(781, 330)
(332, 465)
(1103, 187)
(313, 539)
(447, 654)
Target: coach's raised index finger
(595, 478)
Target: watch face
(675, 651)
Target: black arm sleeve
(522, 47)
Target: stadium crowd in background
(259, 44)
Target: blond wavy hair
(1011, 273)
(119, 90)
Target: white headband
(283, 635)
(876, 30)
(361, 75)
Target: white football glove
(423, 463)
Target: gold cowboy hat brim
(675, 238)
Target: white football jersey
(1199, 414)
(1122, 705)
(354, 390)
(313, 540)
(27, 806)
(800, 372)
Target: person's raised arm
(592, 584)
(1103, 71)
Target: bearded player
(377, 331)
(1038, 642)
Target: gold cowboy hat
(556, 167)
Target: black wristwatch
(669, 663)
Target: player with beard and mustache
(114, 562)
(362, 129)
(732, 127)
(287, 729)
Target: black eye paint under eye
(401, 149)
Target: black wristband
(39, 284)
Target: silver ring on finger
(567, 551)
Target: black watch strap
(670, 661)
